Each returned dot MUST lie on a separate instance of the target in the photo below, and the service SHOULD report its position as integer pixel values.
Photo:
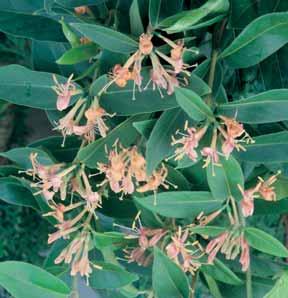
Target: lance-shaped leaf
(96, 151)
(120, 100)
(30, 26)
(110, 277)
(270, 106)
(159, 145)
(212, 11)
(167, 278)
(12, 192)
(264, 242)
(23, 280)
(193, 104)
(268, 149)
(21, 156)
(180, 204)
(26, 87)
(281, 287)
(78, 54)
(223, 180)
(135, 18)
(107, 38)
(154, 12)
(221, 272)
(261, 38)
(76, 3)
(208, 230)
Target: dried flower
(80, 10)
(245, 255)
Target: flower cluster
(147, 238)
(184, 253)
(161, 77)
(230, 131)
(263, 189)
(126, 170)
(95, 121)
(230, 244)
(177, 246)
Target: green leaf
(196, 18)
(168, 279)
(281, 287)
(76, 3)
(145, 127)
(109, 239)
(30, 26)
(26, 87)
(120, 100)
(21, 156)
(208, 230)
(221, 272)
(159, 145)
(107, 38)
(135, 19)
(110, 277)
(154, 12)
(23, 280)
(95, 152)
(266, 107)
(12, 192)
(264, 242)
(27, 6)
(79, 54)
(260, 39)
(267, 149)
(180, 204)
(193, 104)
(212, 285)
(54, 146)
(223, 180)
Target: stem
(211, 77)
(74, 293)
(249, 290)
(193, 285)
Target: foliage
(169, 174)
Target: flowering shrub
(172, 145)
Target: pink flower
(247, 203)
(215, 245)
(245, 256)
(189, 142)
(64, 92)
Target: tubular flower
(267, 191)
(184, 253)
(67, 124)
(160, 77)
(189, 142)
(147, 238)
(95, 116)
(247, 202)
(230, 244)
(76, 253)
(51, 178)
(65, 92)
(232, 132)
